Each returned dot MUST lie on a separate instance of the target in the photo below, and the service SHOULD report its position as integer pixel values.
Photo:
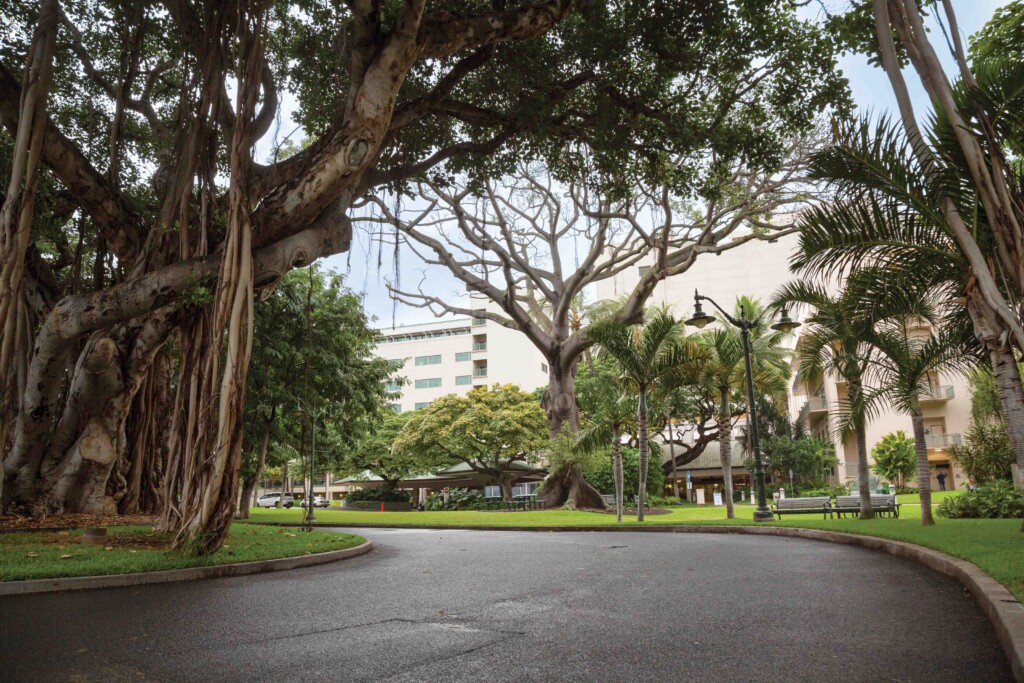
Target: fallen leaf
(33, 554)
(131, 551)
(226, 545)
(307, 553)
(64, 557)
(108, 547)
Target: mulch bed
(72, 521)
(63, 538)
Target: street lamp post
(745, 324)
(314, 416)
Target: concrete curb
(995, 601)
(190, 574)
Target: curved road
(515, 606)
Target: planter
(374, 506)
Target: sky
(871, 93)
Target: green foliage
(373, 452)
(832, 491)
(808, 458)
(488, 428)
(379, 494)
(995, 500)
(458, 499)
(895, 458)
(602, 477)
(986, 454)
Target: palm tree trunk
(642, 431)
(924, 479)
(672, 458)
(863, 484)
(617, 469)
(725, 452)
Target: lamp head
(700, 319)
(785, 324)
(298, 411)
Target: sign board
(689, 482)
(700, 496)
(718, 498)
(445, 494)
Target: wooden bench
(883, 504)
(609, 500)
(803, 506)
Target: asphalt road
(516, 606)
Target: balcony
(479, 321)
(480, 372)
(818, 404)
(938, 393)
(480, 346)
(943, 440)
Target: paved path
(515, 606)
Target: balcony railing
(938, 393)
(478, 321)
(817, 404)
(480, 372)
(943, 440)
(479, 346)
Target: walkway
(516, 606)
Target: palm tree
(892, 211)
(903, 369)
(645, 357)
(837, 341)
(612, 415)
(725, 373)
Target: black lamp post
(699, 320)
(313, 418)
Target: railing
(943, 440)
(478, 321)
(480, 346)
(480, 372)
(940, 393)
(817, 403)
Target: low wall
(374, 506)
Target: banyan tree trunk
(249, 485)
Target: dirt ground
(75, 521)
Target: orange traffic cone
(382, 506)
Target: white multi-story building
(454, 355)
(759, 269)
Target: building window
(430, 383)
(480, 346)
(463, 380)
(544, 368)
(392, 386)
(397, 407)
(479, 319)
(644, 270)
(463, 356)
(428, 360)
(492, 492)
(526, 489)
(421, 406)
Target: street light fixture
(785, 324)
(299, 411)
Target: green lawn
(995, 545)
(43, 555)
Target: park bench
(802, 506)
(609, 499)
(883, 504)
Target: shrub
(895, 458)
(379, 494)
(458, 499)
(602, 477)
(662, 501)
(833, 491)
(987, 454)
(996, 500)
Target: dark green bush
(458, 499)
(602, 478)
(837, 490)
(996, 500)
(379, 494)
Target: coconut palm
(725, 372)
(646, 357)
(902, 371)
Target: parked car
(270, 500)
(320, 502)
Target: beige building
(758, 269)
(457, 354)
